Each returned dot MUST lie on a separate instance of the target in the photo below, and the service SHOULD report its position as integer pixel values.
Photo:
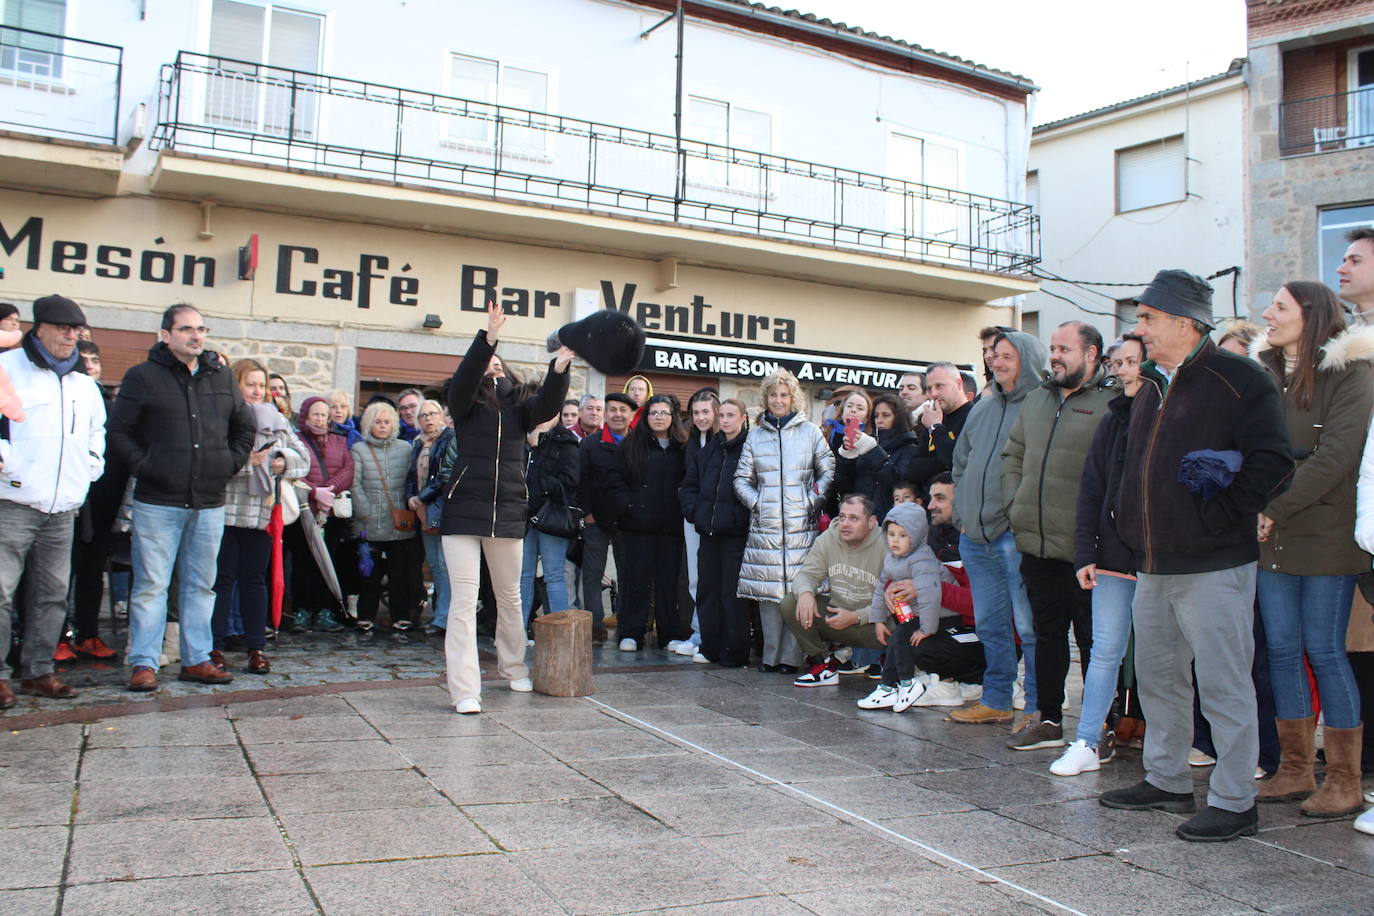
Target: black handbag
(558, 518)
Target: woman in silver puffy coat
(381, 462)
(783, 473)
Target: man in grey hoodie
(986, 543)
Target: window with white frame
(727, 127)
(28, 55)
(1151, 174)
(1033, 189)
(924, 212)
(1333, 225)
(492, 83)
(1361, 116)
(264, 78)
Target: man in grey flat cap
(1218, 416)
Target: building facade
(1134, 187)
(340, 186)
(1310, 145)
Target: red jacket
(958, 597)
(337, 470)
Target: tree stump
(563, 654)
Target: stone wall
(307, 368)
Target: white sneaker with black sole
(882, 697)
(628, 645)
(941, 693)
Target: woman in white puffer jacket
(783, 473)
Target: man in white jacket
(47, 463)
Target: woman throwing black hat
(484, 508)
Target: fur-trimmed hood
(1354, 344)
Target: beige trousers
(462, 556)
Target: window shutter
(236, 30)
(1150, 174)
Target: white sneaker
(701, 659)
(468, 706)
(971, 691)
(1260, 774)
(522, 685)
(882, 697)
(908, 692)
(1198, 759)
(1018, 695)
(1078, 758)
(673, 645)
(686, 648)
(1369, 797)
(941, 693)
(628, 645)
(1365, 822)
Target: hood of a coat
(559, 433)
(208, 360)
(378, 443)
(1034, 356)
(913, 518)
(893, 439)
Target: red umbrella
(277, 583)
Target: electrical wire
(1081, 307)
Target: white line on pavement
(847, 813)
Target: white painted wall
(825, 108)
(1085, 239)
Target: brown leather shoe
(6, 694)
(47, 686)
(258, 663)
(205, 673)
(143, 679)
(217, 659)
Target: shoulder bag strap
(386, 488)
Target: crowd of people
(1195, 504)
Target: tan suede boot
(1297, 750)
(1341, 793)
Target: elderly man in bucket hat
(1196, 552)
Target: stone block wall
(307, 368)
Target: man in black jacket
(941, 422)
(1196, 557)
(599, 536)
(180, 425)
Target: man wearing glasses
(47, 463)
(182, 428)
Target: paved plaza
(680, 788)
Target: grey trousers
(1208, 618)
(42, 544)
(779, 645)
(596, 544)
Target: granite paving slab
(488, 884)
(32, 856)
(363, 836)
(566, 822)
(257, 893)
(111, 851)
(163, 798)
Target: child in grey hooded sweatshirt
(908, 557)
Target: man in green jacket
(848, 556)
(1041, 467)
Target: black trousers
(899, 663)
(1056, 602)
(724, 618)
(1362, 663)
(88, 581)
(244, 557)
(398, 561)
(960, 659)
(652, 565)
(308, 589)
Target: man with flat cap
(1216, 417)
(47, 463)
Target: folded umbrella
(1206, 472)
(314, 539)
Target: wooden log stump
(563, 654)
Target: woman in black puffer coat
(711, 507)
(484, 504)
(892, 427)
(551, 475)
(643, 483)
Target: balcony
(59, 111)
(1327, 123)
(616, 182)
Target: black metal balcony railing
(351, 128)
(59, 86)
(1327, 123)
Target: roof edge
(1236, 69)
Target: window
(1033, 190)
(494, 83)
(1361, 70)
(265, 82)
(925, 214)
(1151, 174)
(1030, 324)
(35, 56)
(735, 127)
(1331, 243)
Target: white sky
(1083, 54)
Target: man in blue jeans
(183, 429)
(1001, 610)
